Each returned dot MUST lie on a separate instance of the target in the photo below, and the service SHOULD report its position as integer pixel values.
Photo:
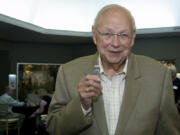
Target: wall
(158, 48)
(4, 68)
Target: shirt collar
(102, 70)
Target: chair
(8, 121)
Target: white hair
(115, 6)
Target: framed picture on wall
(35, 78)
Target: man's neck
(8, 94)
(111, 69)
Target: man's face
(10, 92)
(113, 49)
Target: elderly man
(7, 98)
(130, 96)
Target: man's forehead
(115, 19)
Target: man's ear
(94, 35)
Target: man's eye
(124, 35)
(107, 34)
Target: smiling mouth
(115, 51)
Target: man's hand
(89, 88)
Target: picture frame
(35, 78)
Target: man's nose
(115, 40)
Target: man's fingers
(92, 77)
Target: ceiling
(18, 31)
(69, 21)
(78, 15)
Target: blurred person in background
(7, 98)
(176, 85)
